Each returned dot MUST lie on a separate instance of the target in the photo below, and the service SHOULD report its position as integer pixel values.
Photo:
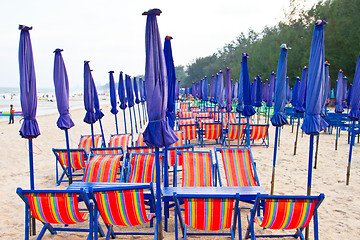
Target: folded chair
(78, 158)
(207, 213)
(210, 131)
(57, 207)
(260, 132)
(284, 213)
(103, 168)
(123, 206)
(86, 142)
(120, 140)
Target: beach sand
(339, 214)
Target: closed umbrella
(177, 91)
(98, 113)
(344, 89)
(294, 98)
(228, 91)
(354, 113)
(142, 97)
(279, 118)
(122, 97)
(137, 99)
(205, 90)
(171, 81)
(220, 91)
(269, 103)
(61, 84)
(348, 96)
(258, 90)
(113, 100)
(158, 132)
(216, 86)
(90, 116)
(338, 103)
(212, 88)
(130, 98)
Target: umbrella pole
(135, 119)
(132, 131)
(248, 132)
(32, 185)
(116, 125)
(297, 133)
(311, 151)
(268, 117)
(228, 128)
(274, 161)
(68, 154)
(139, 115)
(125, 121)
(159, 228)
(102, 134)
(350, 152)
(238, 138)
(337, 131)
(92, 135)
(316, 150)
(142, 104)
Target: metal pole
(135, 119)
(116, 124)
(350, 152)
(125, 121)
(102, 134)
(68, 155)
(31, 164)
(297, 133)
(92, 135)
(248, 131)
(311, 151)
(139, 115)
(274, 160)
(316, 150)
(337, 131)
(159, 228)
(238, 138)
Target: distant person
(12, 113)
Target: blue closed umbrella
(113, 100)
(240, 105)
(98, 113)
(349, 93)
(269, 103)
(142, 97)
(158, 132)
(61, 84)
(228, 91)
(258, 90)
(171, 81)
(295, 92)
(216, 86)
(122, 97)
(313, 123)
(205, 90)
(177, 91)
(339, 93)
(137, 98)
(279, 118)
(212, 88)
(344, 104)
(300, 105)
(220, 91)
(288, 91)
(130, 98)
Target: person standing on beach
(12, 113)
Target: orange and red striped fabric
(202, 121)
(121, 140)
(122, 208)
(140, 141)
(180, 142)
(287, 213)
(86, 142)
(211, 214)
(184, 106)
(187, 121)
(185, 114)
(142, 168)
(172, 155)
(236, 132)
(56, 208)
(259, 132)
(238, 167)
(202, 115)
(212, 131)
(106, 151)
(227, 120)
(102, 168)
(77, 158)
(196, 169)
(190, 131)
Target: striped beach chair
(202, 115)
(185, 115)
(190, 131)
(103, 168)
(207, 214)
(260, 132)
(284, 213)
(141, 168)
(210, 131)
(235, 131)
(185, 106)
(78, 158)
(120, 140)
(117, 208)
(56, 208)
(86, 142)
(140, 141)
(107, 150)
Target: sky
(111, 33)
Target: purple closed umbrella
(258, 91)
(130, 98)
(220, 91)
(61, 84)
(300, 105)
(205, 89)
(158, 132)
(28, 98)
(212, 88)
(142, 97)
(137, 99)
(344, 89)
(122, 97)
(177, 91)
(313, 123)
(339, 93)
(113, 100)
(295, 92)
(98, 113)
(228, 90)
(269, 103)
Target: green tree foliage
(342, 37)
(181, 76)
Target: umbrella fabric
(171, 81)
(28, 96)
(193, 90)
(144, 89)
(121, 92)
(279, 118)
(90, 116)
(295, 92)
(98, 112)
(258, 91)
(245, 80)
(271, 90)
(355, 96)
(158, 132)
(253, 92)
(112, 93)
(338, 94)
(344, 104)
(216, 86)
(220, 91)
(232, 90)
(129, 91)
(327, 84)
(348, 98)
(61, 84)
(136, 91)
(240, 105)
(236, 91)
(205, 89)
(300, 105)
(177, 91)
(313, 123)
(228, 90)
(141, 90)
(264, 91)
(212, 88)
(288, 91)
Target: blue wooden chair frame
(178, 216)
(259, 206)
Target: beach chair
(123, 206)
(107, 150)
(201, 115)
(86, 142)
(210, 131)
(78, 158)
(180, 142)
(284, 213)
(239, 167)
(260, 132)
(120, 140)
(141, 168)
(55, 208)
(235, 131)
(103, 168)
(190, 131)
(140, 141)
(185, 115)
(184, 106)
(207, 213)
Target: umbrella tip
(305, 67)
(285, 46)
(327, 63)
(86, 61)
(58, 50)
(111, 71)
(245, 55)
(154, 11)
(169, 37)
(340, 70)
(24, 27)
(320, 23)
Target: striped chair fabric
(86, 142)
(102, 168)
(226, 121)
(121, 140)
(201, 121)
(145, 149)
(172, 154)
(210, 214)
(140, 141)
(77, 157)
(187, 121)
(109, 150)
(259, 132)
(180, 142)
(230, 115)
(56, 208)
(236, 132)
(212, 130)
(202, 115)
(238, 167)
(190, 131)
(195, 109)
(123, 207)
(142, 168)
(185, 114)
(184, 106)
(197, 169)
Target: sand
(339, 214)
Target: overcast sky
(111, 33)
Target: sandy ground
(339, 215)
